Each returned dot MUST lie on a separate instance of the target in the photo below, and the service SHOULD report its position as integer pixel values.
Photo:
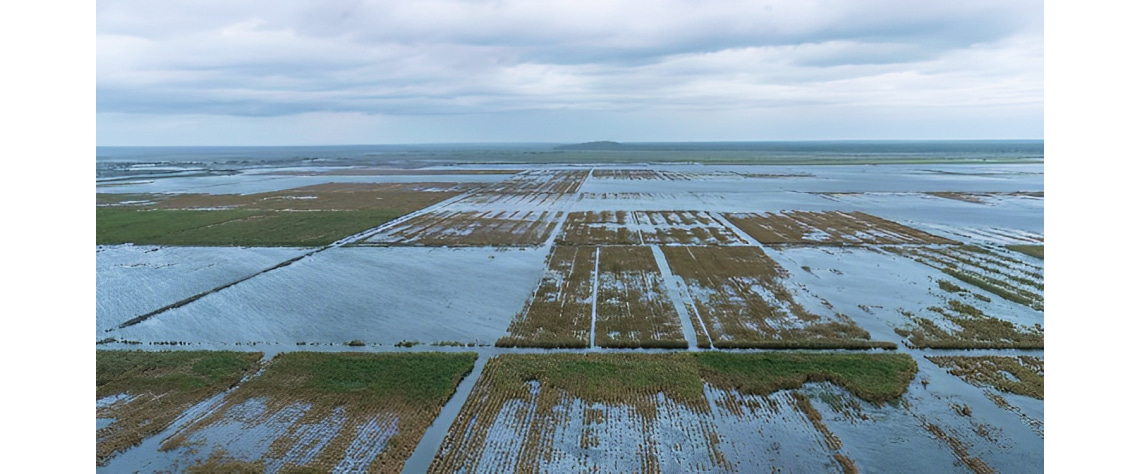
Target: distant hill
(602, 145)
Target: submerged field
(567, 318)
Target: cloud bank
(451, 70)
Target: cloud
(428, 58)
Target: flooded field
(573, 318)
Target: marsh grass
(162, 385)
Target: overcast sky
(291, 72)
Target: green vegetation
(1036, 251)
(424, 377)
(232, 227)
(820, 344)
(600, 377)
(161, 372)
(876, 378)
(1023, 375)
(159, 387)
(612, 377)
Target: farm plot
(302, 217)
(359, 171)
(1013, 384)
(633, 309)
(139, 394)
(497, 201)
(652, 413)
(594, 228)
(653, 174)
(633, 174)
(375, 295)
(1022, 375)
(646, 227)
(987, 198)
(540, 182)
(326, 412)
(471, 229)
(558, 314)
(989, 235)
(829, 228)
(745, 301)
(134, 280)
(960, 325)
(892, 295)
(1003, 272)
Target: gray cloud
(427, 58)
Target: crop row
(829, 228)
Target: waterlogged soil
(591, 252)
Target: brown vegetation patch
(996, 270)
(967, 327)
(559, 312)
(646, 227)
(829, 228)
(472, 228)
(743, 297)
(545, 382)
(596, 228)
(976, 198)
(633, 308)
(157, 387)
(540, 181)
(960, 451)
(639, 174)
(532, 405)
(365, 391)
(1023, 375)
